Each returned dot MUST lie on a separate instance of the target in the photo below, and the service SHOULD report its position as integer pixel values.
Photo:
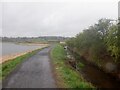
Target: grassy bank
(10, 65)
(65, 76)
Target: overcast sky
(47, 18)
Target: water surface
(12, 48)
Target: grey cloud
(63, 19)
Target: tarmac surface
(35, 72)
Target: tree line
(99, 42)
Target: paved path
(33, 73)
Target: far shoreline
(31, 44)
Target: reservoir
(13, 48)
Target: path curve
(36, 72)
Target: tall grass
(66, 77)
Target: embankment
(91, 72)
(12, 56)
(66, 77)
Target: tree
(98, 40)
(103, 27)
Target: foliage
(80, 65)
(113, 42)
(97, 41)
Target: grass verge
(10, 65)
(65, 76)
